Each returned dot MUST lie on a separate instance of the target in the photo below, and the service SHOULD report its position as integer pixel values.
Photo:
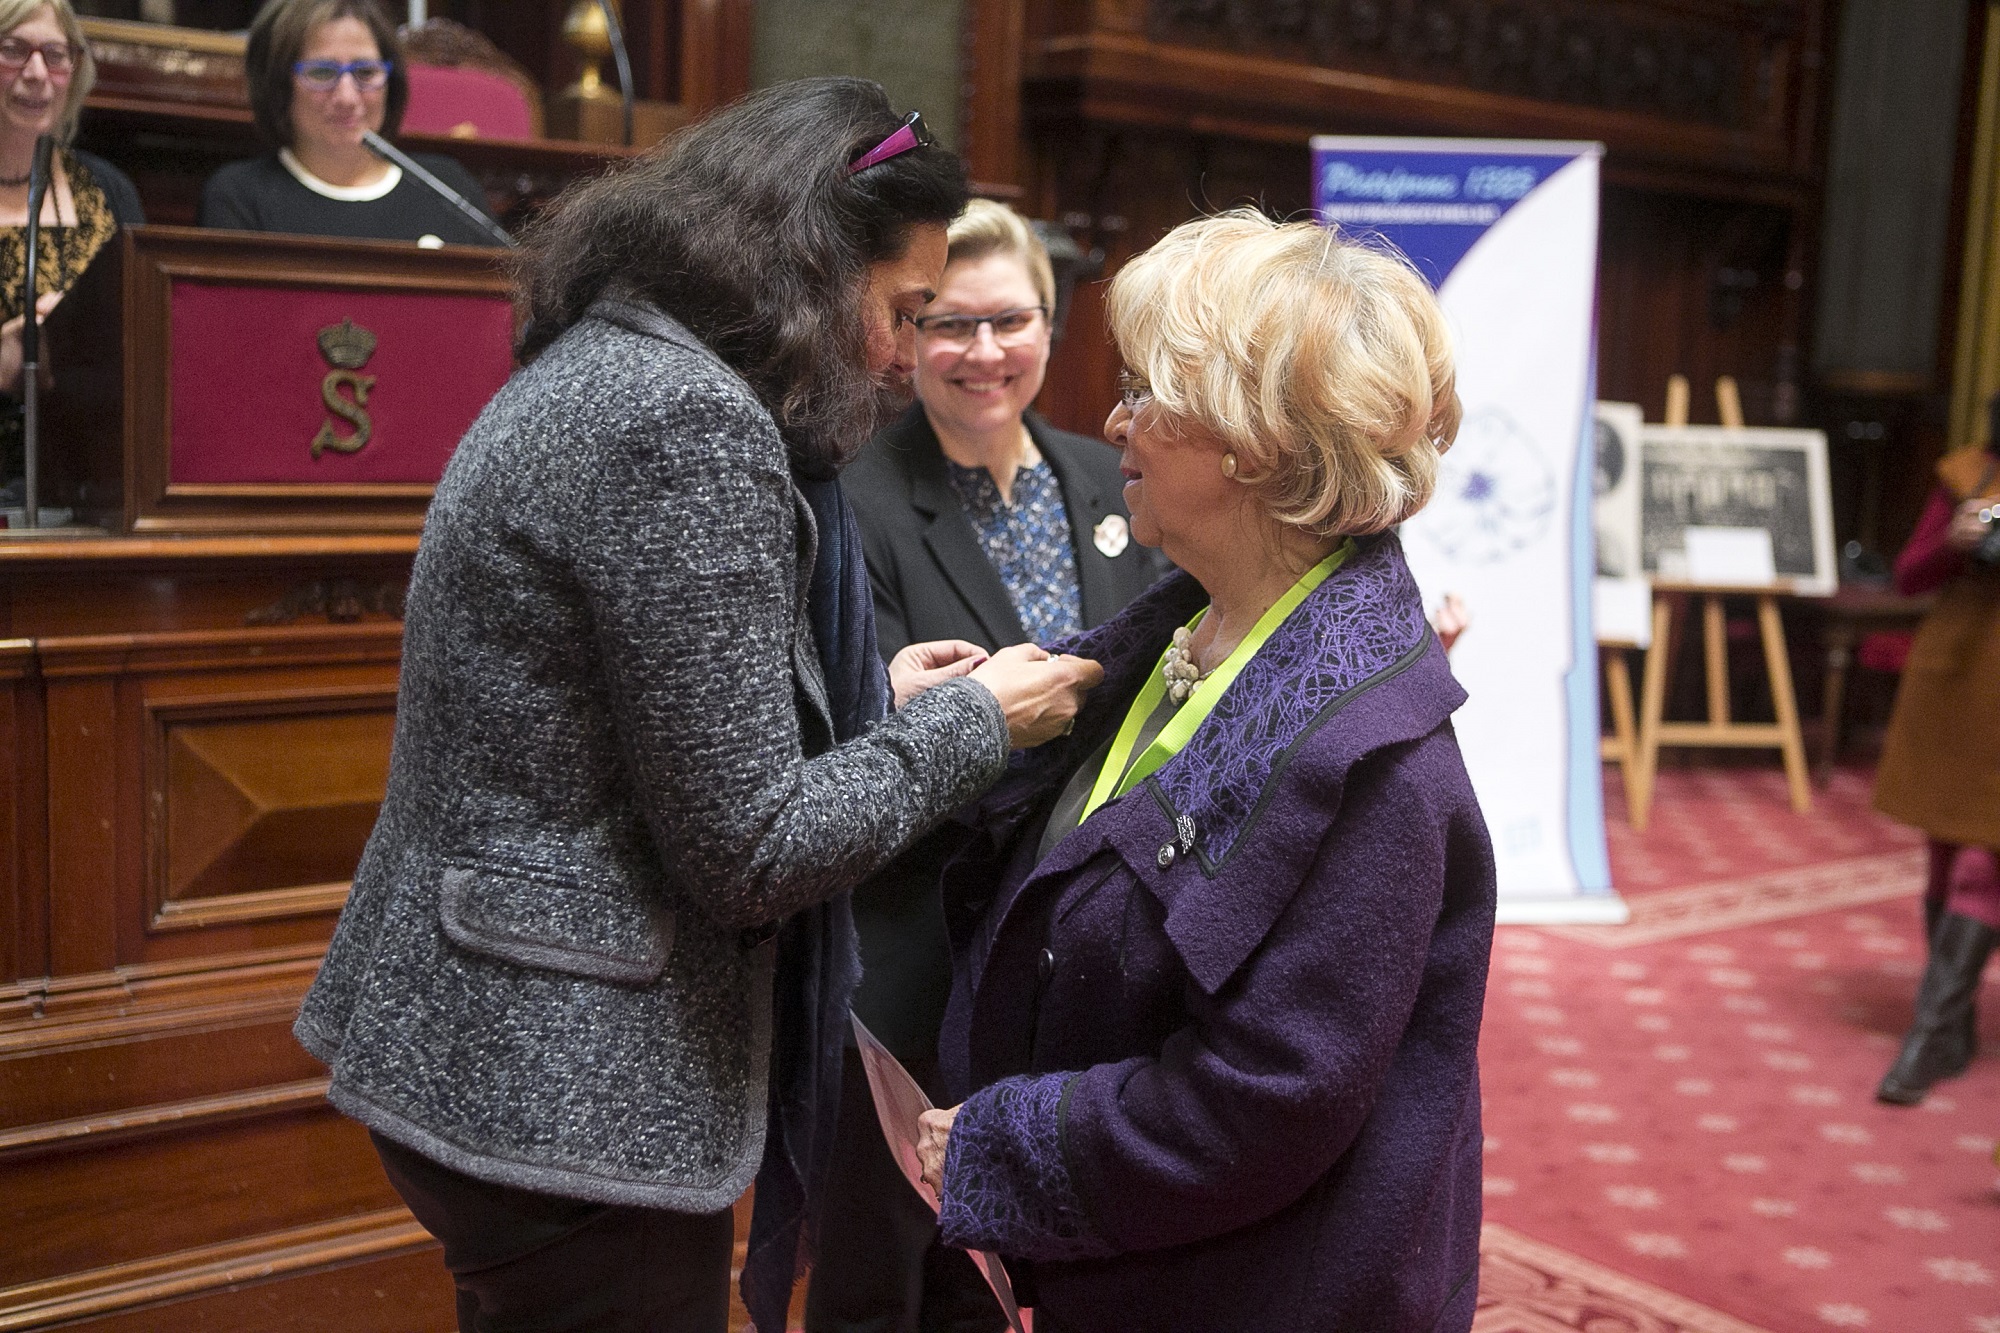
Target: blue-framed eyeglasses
(323, 76)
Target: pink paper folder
(898, 1103)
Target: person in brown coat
(1941, 760)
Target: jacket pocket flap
(534, 920)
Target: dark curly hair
(277, 35)
(748, 229)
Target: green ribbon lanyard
(1120, 773)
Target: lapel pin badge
(1111, 536)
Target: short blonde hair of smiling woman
(1323, 364)
(988, 228)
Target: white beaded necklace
(1183, 675)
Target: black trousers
(880, 1268)
(534, 1263)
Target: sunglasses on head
(910, 134)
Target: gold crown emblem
(346, 345)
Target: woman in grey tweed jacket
(630, 733)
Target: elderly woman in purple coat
(1222, 951)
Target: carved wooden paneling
(140, 1198)
(261, 807)
(1706, 94)
(995, 33)
(1139, 114)
(150, 586)
(1712, 64)
(375, 1273)
(183, 797)
(65, 1085)
(23, 818)
(156, 742)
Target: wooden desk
(1855, 610)
(1720, 730)
(194, 734)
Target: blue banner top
(1434, 198)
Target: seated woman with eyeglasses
(45, 73)
(321, 72)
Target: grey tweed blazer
(613, 766)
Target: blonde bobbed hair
(1322, 363)
(13, 13)
(988, 228)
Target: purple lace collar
(1359, 628)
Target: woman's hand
(922, 665)
(10, 342)
(1450, 620)
(933, 1128)
(1039, 693)
(1966, 530)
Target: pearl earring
(1229, 465)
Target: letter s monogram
(353, 413)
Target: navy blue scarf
(819, 958)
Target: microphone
(622, 59)
(388, 152)
(31, 335)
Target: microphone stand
(388, 152)
(31, 338)
(622, 59)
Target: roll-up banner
(1507, 233)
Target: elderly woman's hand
(933, 1129)
(1967, 529)
(1040, 694)
(922, 665)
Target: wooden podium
(195, 718)
(213, 382)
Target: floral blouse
(1028, 543)
(65, 252)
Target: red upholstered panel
(1885, 650)
(247, 369)
(443, 97)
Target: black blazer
(933, 580)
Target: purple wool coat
(1223, 1040)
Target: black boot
(1941, 1043)
(1965, 1038)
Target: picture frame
(1738, 477)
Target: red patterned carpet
(1681, 1127)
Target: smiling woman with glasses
(45, 73)
(321, 73)
(984, 523)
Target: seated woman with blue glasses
(321, 72)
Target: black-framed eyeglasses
(910, 134)
(1010, 328)
(16, 52)
(1133, 391)
(323, 76)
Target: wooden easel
(1719, 730)
(1622, 745)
